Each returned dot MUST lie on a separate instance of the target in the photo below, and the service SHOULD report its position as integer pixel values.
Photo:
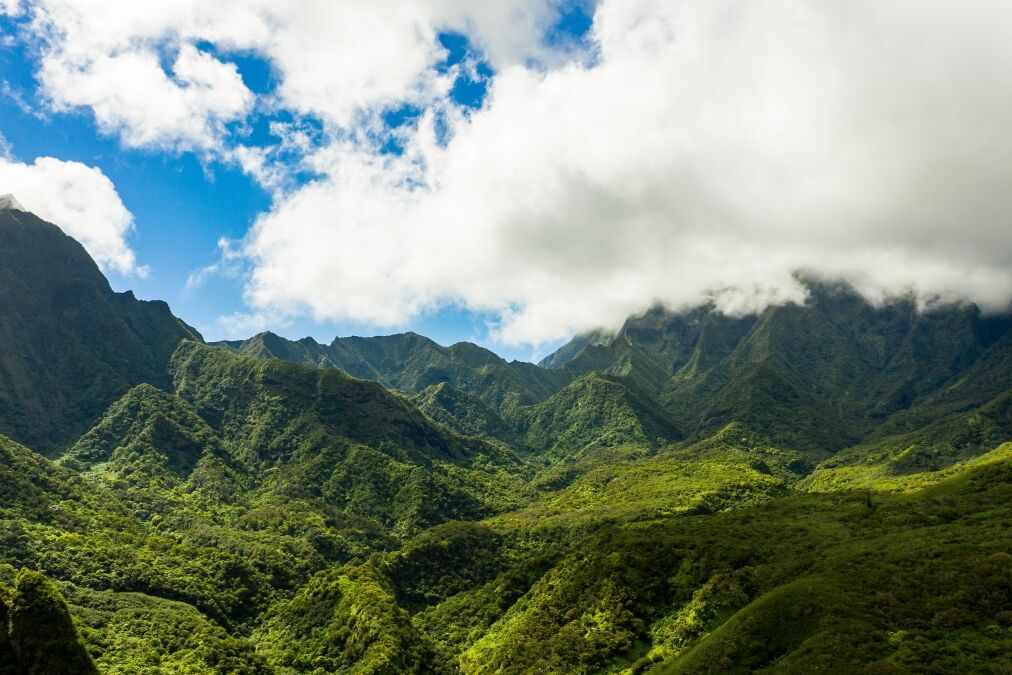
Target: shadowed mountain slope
(37, 634)
(245, 397)
(411, 363)
(819, 376)
(69, 345)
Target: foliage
(71, 345)
(594, 411)
(40, 633)
(820, 488)
(799, 584)
(345, 620)
(135, 633)
(464, 413)
(920, 457)
(411, 363)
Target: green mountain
(70, 345)
(850, 364)
(595, 411)
(823, 487)
(147, 435)
(819, 377)
(466, 413)
(411, 363)
(907, 460)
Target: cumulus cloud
(707, 150)
(711, 151)
(81, 200)
(131, 95)
(138, 66)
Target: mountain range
(819, 487)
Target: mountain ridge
(816, 488)
(852, 365)
(70, 346)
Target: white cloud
(229, 264)
(131, 95)
(714, 149)
(241, 325)
(336, 59)
(81, 200)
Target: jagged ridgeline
(823, 487)
(818, 377)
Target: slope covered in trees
(70, 345)
(819, 488)
(37, 633)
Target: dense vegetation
(37, 634)
(71, 346)
(820, 488)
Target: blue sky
(183, 203)
(512, 172)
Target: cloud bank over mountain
(683, 152)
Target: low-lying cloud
(711, 152)
(699, 150)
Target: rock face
(69, 345)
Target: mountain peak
(71, 345)
(8, 201)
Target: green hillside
(70, 345)
(594, 411)
(412, 363)
(823, 376)
(823, 487)
(37, 633)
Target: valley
(823, 487)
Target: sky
(513, 172)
